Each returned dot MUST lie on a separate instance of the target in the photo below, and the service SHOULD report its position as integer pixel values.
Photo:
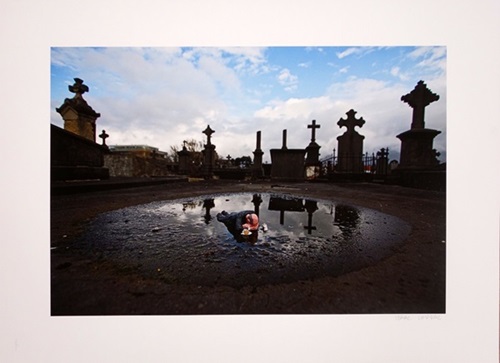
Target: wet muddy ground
(128, 251)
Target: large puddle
(181, 241)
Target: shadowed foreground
(412, 280)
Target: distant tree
(192, 146)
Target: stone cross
(208, 131)
(78, 88)
(103, 136)
(418, 99)
(351, 121)
(313, 126)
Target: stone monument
(416, 144)
(184, 160)
(350, 145)
(74, 153)
(209, 154)
(79, 118)
(287, 164)
(257, 170)
(313, 165)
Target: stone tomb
(287, 164)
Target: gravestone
(417, 143)
(104, 136)
(382, 162)
(79, 118)
(287, 164)
(257, 169)
(209, 154)
(184, 160)
(350, 145)
(313, 165)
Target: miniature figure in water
(241, 224)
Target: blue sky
(162, 96)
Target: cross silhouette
(103, 136)
(419, 99)
(351, 121)
(313, 126)
(208, 131)
(78, 88)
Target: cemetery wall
(133, 165)
(73, 157)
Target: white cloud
(354, 50)
(347, 52)
(163, 96)
(396, 72)
(288, 80)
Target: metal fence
(376, 163)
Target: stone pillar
(257, 170)
(79, 118)
(283, 143)
(350, 145)
(208, 155)
(417, 143)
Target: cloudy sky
(162, 96)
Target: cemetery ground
(411, 280)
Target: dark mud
(122, 252)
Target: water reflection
(207, 205)
(285, 204)
(311, 206)
(347, 218)
(305, 237)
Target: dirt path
(410, 281)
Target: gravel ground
(412, 280)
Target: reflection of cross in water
(103, 136)
(257, 201)
(311, 206)
(208, 131)
(313, 126)
(351, 121)
(208, 204)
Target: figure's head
(252, 221)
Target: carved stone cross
(208, 131)
(419, 99)
(103, 136)
(351, 121)
(313, 126)
(78, 88)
